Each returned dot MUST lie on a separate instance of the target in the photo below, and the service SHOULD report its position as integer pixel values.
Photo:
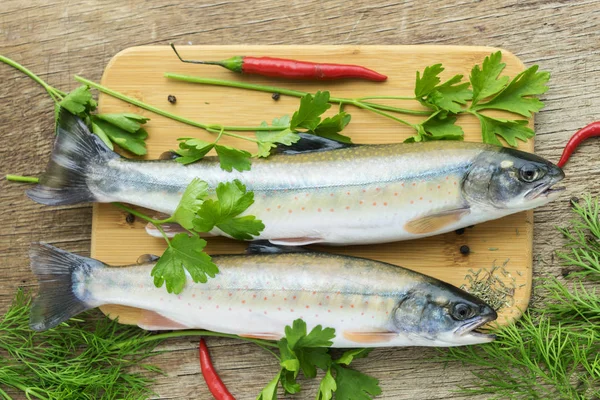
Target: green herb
(491, 288)
(553, 351)
(485, 90)
(308, 351)
(198, 213)
(79, 359)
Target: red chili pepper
(214, 383)
(588, 131)
(291, 69)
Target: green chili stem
(385, 98)
(384, 114)
(142, 215)
(156, 110)
(19, 178)
(175, 334)
(287, 92)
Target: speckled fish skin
(369, 303)
(355, 195)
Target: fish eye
(529, 173)
(461, 311)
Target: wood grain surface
(57, 39)
(138, 72)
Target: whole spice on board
(291, 69)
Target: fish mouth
(470, 328)
(544, 190)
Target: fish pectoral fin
(435, 222)
(262, 335)
(370, 337)
(299, 241)
(153, 321)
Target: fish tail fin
(75, 150)
(59, 274)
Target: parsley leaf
(353, 354)
(331, 127)
(184, 253)
(231, 158)
(270, 391)
(190, 203)
(509, 130)
(485, 81)
(448, 96)
(327, 387)
(268, 140)
(232, 200)
(311, 108)
(79, 101)
(134, 142)
(516, 97)
(354, 385)
(437, 127)
(128, 122)
(192, 150)
(425, 85)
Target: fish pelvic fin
(58, 273)
(75, 150)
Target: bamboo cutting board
(138, 72)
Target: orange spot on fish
(318, 209)
(341, 306)
(351, 305)
(364, 191)
(268, 209)
(412, 202)
(331, 194)
(447, 178)
(194, 295)
(265, 313)
(279, 206)
(179, 297)
(362, 313)
(292, 310)
(278, 308)
(243, 301)
(307, 307)
(302, 208)
(210, 298)
(347, 207)
(331, 210)
(385, 204)
(374, 203)
(229, 308)
(395, 193)
(420, 198)
(295, 198)
(290, 211)
(430, 201)
(254, 296)
(328, 310)
(294, 297)
(455, 183)
(249, 310)
(230, 294)
(414, 184)
(348, 193)
(320, 304)
(361, 202)
(377, 189)
(285, 299)
(265, 298)
(439, 186)
(403, 185)
(327, 297)
(217, 306)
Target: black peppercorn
(130, 218)
(460, 231)
(275, 96)
(172, 99)
(464, 249)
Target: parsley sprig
(199, 211)
(307, 352)
(123, 129)
(485, 90)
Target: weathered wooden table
(58, 39)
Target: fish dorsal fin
(266, 247)
(309, 143)
(147, 258)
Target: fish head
(438, 314)
(509, 179)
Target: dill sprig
(553, 351)
(79, 359)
